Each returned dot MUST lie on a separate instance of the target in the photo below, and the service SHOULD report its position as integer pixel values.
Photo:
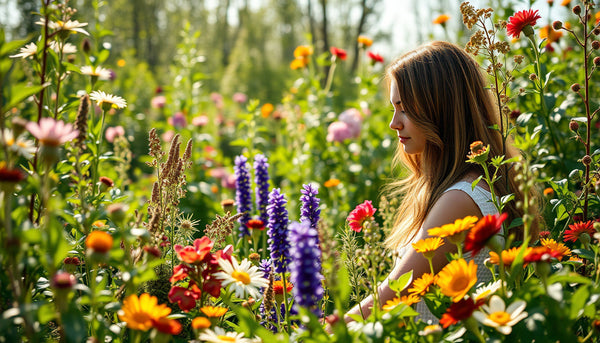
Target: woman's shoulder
(451, 205)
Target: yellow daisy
(508, 256)
(428, 246)
(421, 285)
(140, 313)
(454, 231)
(556, 246)
(213, 311)
(457, 278)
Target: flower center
(500, 317)
(242, 277)
(226, 338)
(460, 283)
(10, 141)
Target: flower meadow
(195, 216)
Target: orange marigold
(365, 41)
(441, 19)
(99, 241)
(332, 183)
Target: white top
(483, 199)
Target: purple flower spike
(277, 230)
(261, 179)
(305, 266)
(310, 205)
(243, 193)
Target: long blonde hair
(443, 92)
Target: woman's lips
(403, 139)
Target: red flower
(459, 311)
(544, 234)
(185, 297)
(10, 175)
(255, 224)
(212, 286)
(542, 254)
(577, 229)
(180, 272)
(339, 53)
(375, 57)
(278, 286)
(360, 214)
(485, 228)
(194, 254)
(520, 21)
(166, 325)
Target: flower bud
(573, 125)
(597, 61)
(557, 25)
(228, 205)
(575, 87)
(86, 46)
(577, 10)
(587, 160)
(254, 258)
(596, 31)
(117, 212)
(63, 280)
(595, 45)
(585, 239)
(533, 77)
(105, 183)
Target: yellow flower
(140, 313)
(332, 183)
(554, 245)
(365, 41)
(266, 110)
(303, 51)
(200, 323)
(421, 285)
(565, 3)
(454, 231)
(298, 63)
(121, 63)
(441, 19)
(428, 246)
(508, 256)
(391, 304)
(457, 278)
(99, 241)
(213, 311)
(410, 299)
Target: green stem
(287, 308)
(330, 77)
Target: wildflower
(178, 120)
(499, 317)
(105, 183)
(243, 196)
(297, 64)
(185, 297)
(364, 41)
(70, 26)
(194, 254)
(360, 214)
(391, 304)
(431, 330)
(548, 191)
(339, 131)
(554, 245)
(457, 278)
(261, 192)
(213, 311)
(180, 272)
(338, 53)
(10, 175)
(63, 280)
(107, 101)
(565, 3)
(478, 152)
(19, 145)
(550, 34)
(577, 229)
(454, 231)
(113, 132)
(483, 231)
(240, 98)
(375, 57)
(508, 256)
(441, 19)
(522, 21)
(305, 266)
(96, 72)
(255, 224)
(244, 278)
(483, 292)
(428, 246)
(99, 241)
(458, 311)
(544, 234)
(278, 231)
(200, 323)
(303, 51)
(310, 205)
(541, 254)
(200, 121)
(421, 285)
(266, 110)
(278, 287)
(143, 313)
(331, 183)
(27, 51)
(158, 101)
(353, 118)
(219, 335)
(52, 133)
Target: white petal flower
(19, 145)
(486, 291)
(69, 25)
(102, 99)
(99, 72)
(219, 335)
(28, 50)
(67, 48)
(244, 278)
(499, 317)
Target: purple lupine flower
(243, 195)
(277, 230)
(261, 179)
(305, 266)
(310, 205)
(265, 267)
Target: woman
(441, 105)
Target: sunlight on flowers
(457, 278)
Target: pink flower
(158, 101)
(217, 99)
(360, 214)
(200, 121)
(168, 136)
(228, 181)
(354, 119)
(240, 98)
(338, 131)
(114, 132)
(194, 254)
(178, 120)
(52, 132)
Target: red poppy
(360, 214)
(339, 53)
(185, 297)
(520, 21)
(460, 311)
(167, 325)
(194, 254)
(577, 229)
(375, 57)
(485, 228)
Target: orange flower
(298, 63)
(428, 246)
(266, 109)
(278, 287)
(213, 311)
(457, 278)
(552, 35)
(255, 224)
(508, 256)
(200, 323)
(548, 191)
(303, 51)
(554, 245)
(99, 241)
(454, 231)
(196, 253)
(332, 183)
(421, 285)
(144, 313)
(565, 3)
(441, 19)
(410, 299)
(365, 41)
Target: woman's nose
(396, 123)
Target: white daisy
(219, 335)
(67, 48)
(244, 278)
(99, 72)
(28, 50)
(110, 100)
(69, 25)
(499, 317)
(20, 145)
(486, 291)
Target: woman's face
(411, 137)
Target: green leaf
(587, 254)
(402, 282)
(103, 56)
(578, 301)
(20, 92)
(46, 313)
(475, 182)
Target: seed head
(557, 25)
(595, 45)
(573, 125)
(587, 160)
(575, 87)
(577, 10)
(597, 61)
